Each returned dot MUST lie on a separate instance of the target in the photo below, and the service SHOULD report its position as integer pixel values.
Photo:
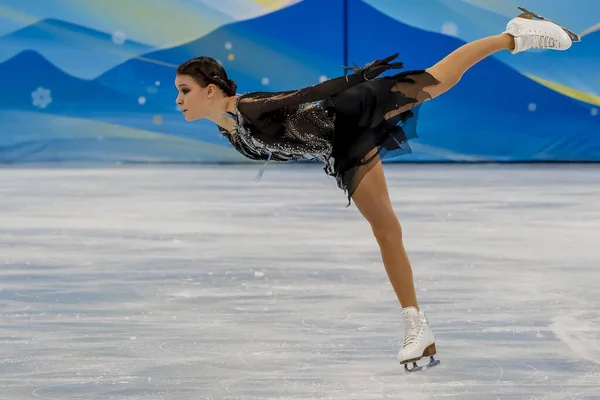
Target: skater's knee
(446, 80)
(388, 231)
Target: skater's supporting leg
(373, 201)
(372, 198)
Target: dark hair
(206, 70)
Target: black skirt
(372, 119)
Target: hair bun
(232, 86)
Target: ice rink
(195, 282)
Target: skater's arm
(269, 101)
(261, 102)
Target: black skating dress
(347, 123)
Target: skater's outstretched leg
(527, 31)
(451, 68)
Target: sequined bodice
(296, 132)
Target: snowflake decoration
(41, 97)
(119, 37)
(450, 29)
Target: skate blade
(530, 15)
(416, 368)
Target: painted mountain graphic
(494, 112)
(78, 51)
(160, 23)
(30, 83)
(582, 75)
(591, 29)
(577, 15)
(273, 51)
(29, 75)
(50, 138)
(470, 22)
(453, 18)
(576, 70)
(518, 115)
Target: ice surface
(197, 283)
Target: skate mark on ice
(501, 374)
(569, 393)
(38, 395)
(240, 351)
(162, 347)
(104, 382)
(537, 372)
(229, 383)
(36, 390)
(376, 373)
(399, 378)
(312, 323)
(578, 335)
(266, 376)
(501, 370)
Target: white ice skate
(419, 341)
(532, 31)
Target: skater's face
(194, 101)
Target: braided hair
(206, 70)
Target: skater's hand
(375, 68)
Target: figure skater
(349, 123)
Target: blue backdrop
(93, 80)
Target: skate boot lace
(413, 332)
(541, 40)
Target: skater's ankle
(508, 41)
(415, 306)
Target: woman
(349, 123)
